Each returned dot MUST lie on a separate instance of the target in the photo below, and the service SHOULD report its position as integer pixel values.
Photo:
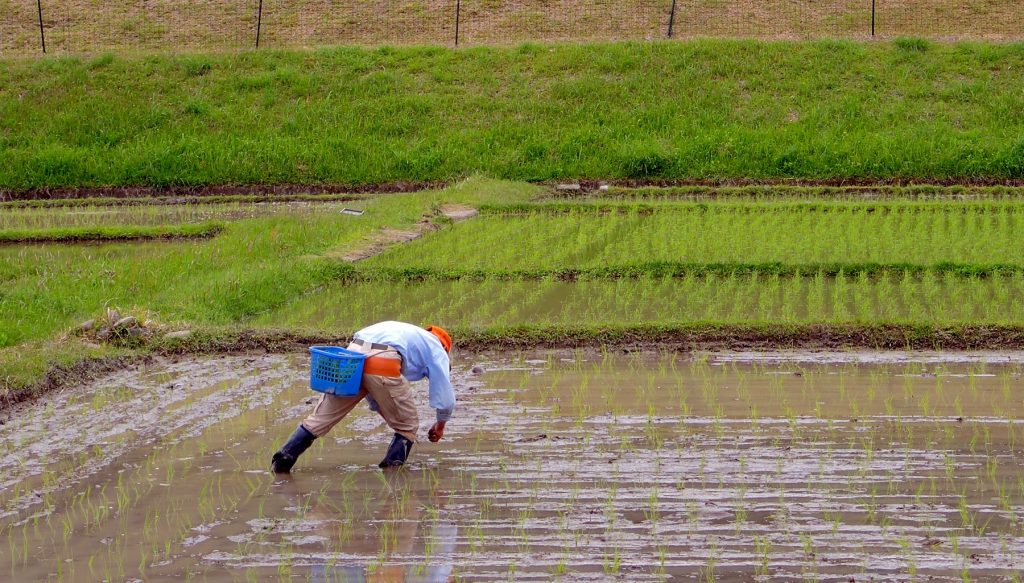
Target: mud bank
(813, 338)
(569, 186)
(683, 338)
(816, 341)
(571, 464)
(282, 190)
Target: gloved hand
(436, 432)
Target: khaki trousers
(389, 396)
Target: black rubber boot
(289, 453)
(398, 452)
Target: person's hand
(436, 432)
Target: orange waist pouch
(385, 367)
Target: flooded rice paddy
(943, 300)
(568, 465)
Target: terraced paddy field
(690, 299)
(625, 408)
(573, 465)
(580, 235)
(596, 262)
(932, 266)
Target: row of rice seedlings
(783, 191)
(938, 299)
(345, 506)
(868, 452)
(917, 389)
(522, 510)
(708, 386)
(144, 513)
(151, 215)
(541, 241)
(590, 207)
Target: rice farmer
(396, 354)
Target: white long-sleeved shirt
(422, 356)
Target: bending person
(397, 353)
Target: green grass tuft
(912, 45)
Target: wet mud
(568, 465)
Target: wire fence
(94, 26)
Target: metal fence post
(259, 23)
(872, 18)
(42, 35)
(672, 18)
(458, 10)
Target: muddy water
(569, 465)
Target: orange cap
(443, 336)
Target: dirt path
(387, 237)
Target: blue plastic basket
(335, 371)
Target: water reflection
(438, 570)
(411, 545)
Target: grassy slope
(696, 109)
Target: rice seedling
(907, 233)
(713, 299)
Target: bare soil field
(575, 465)
(92, 26)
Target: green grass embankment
(706, 109)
